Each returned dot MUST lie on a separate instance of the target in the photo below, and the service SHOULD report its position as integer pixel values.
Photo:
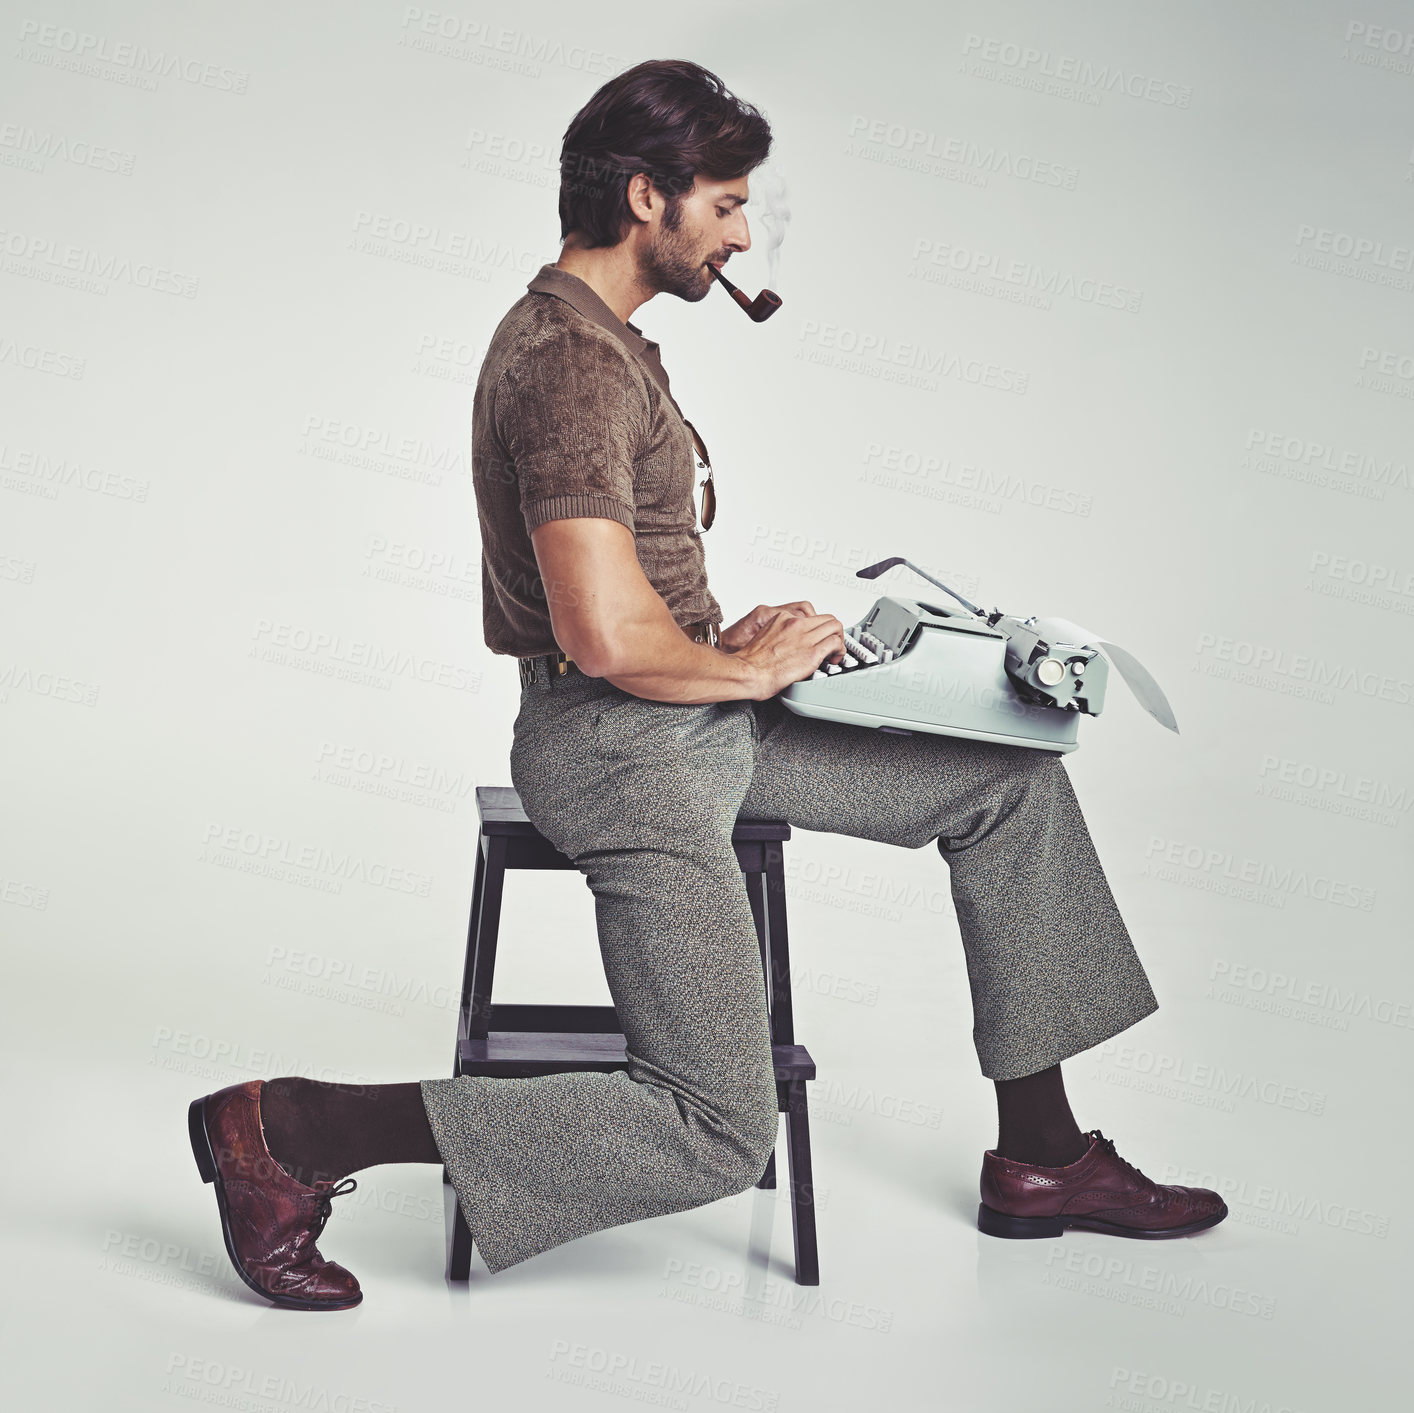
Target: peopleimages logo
(1304, 459)
(438, 31)
(1307, 451)
(59, 47)
(1289, 990)
(877, 355)
(942, 260)
(314, 649)
(1323, 787)
(1158, 1389)
(1067, 68)
(232, 845)
(210, 1381)
(39, 359)
(44, 473)
(937, 154)
(903, 468)
(19, 677)
(1379, 47)
(1350, 246)
(1164, 856)
(1354, 257)
(54, 261)
(1116, 1060)
(1297, 674)
(1118, 1278)
(33, 148)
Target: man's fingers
(799, 609)
(817, 630)
(825, 640)
(826, 625)
(825, 636)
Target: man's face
(704, 227)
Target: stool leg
(456, 1070)
(488, 925)
(802, 1187)
(782, 1008)
(755, 894)
(478, 888)
(459, 1247)
(768, 1178)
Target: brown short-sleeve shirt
(573, 417)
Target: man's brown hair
(669, 118)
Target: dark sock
(319, 1131)
(1034, 1122)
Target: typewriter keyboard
(865, 650)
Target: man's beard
(672, 264)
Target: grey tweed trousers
(643, 796)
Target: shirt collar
(578, 295)
(552, 280)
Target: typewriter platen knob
(1050, 672)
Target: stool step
(577, 1018)
(515, 1054)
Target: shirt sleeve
(574, 416)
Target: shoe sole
(995, 1223)
(210, 1172)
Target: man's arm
(614, 624)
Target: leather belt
(548, 666)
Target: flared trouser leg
(644, 802)
(1051, 965)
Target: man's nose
(740, 239)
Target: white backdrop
(1101, 310)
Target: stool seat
(518, 1041)
(504, 820)
(502, 813)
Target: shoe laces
(1108, 1144)
(324, 1208)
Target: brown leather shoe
(270, 1221)
(1097, 1192)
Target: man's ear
(641, 196)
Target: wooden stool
(522, 1040)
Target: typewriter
(912, 666)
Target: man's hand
(788, 647)
(741, 632)
(744, 630)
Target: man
(644, 729)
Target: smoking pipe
(762, 307)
